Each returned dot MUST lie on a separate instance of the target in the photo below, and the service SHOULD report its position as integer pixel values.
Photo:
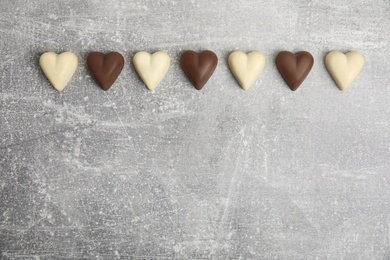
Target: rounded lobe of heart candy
(294, 68)
(105, 68)
(199, 67)
(246, 68)
(151, 67)
(58, 68)
(344, 68)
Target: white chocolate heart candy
(151, 67)
(58, 68)
(344, 67)
(246, 67)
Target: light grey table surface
(220, 173)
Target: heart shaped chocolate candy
(105, 68)
(294, 68)
(199, 67)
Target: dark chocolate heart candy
(294, 67)
(105, 68)
(199, 67)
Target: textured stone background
(179, 173)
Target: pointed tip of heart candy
(151, 87)
(59, 68)
(198, 86)
(245, 87)
(294, 87)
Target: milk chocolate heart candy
(59, 69)
(294, 67)
(105, 68)
(246, 67)
(199, 67)
(151, 67)
(344, 67)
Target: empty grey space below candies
(220, 173)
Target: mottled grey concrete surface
(185, 174)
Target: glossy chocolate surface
(294, 68)
(199, 67)
(105, 68)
